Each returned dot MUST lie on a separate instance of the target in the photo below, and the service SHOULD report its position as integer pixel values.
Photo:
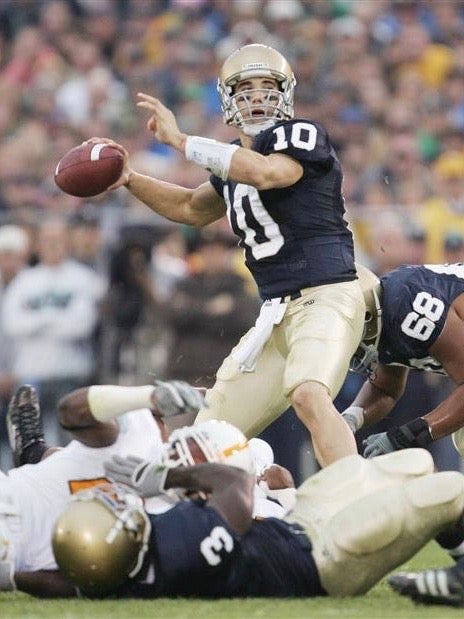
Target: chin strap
(255, 129)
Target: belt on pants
(291, 296)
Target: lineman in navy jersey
(353, 522)
(416, 320)
(280, 187)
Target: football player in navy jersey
(352, 522)
(280, 185)
(415, 320)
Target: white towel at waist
(247, 353)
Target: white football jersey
(42, 490)
(265, 507)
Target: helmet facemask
(366, 357)
(209, 441)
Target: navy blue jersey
(193, 552)
(415, 303)
(294, 237)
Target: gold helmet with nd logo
(366, 356)
(101, 538)
(275, 104)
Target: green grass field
(381, 602)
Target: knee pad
(342, 476)
(371, 535)
(412, 462)
(359, 544)
(405, 509)
(437, 493)
(354, 476)
(370, 524)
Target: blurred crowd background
(102, 290)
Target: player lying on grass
(32, 496)
(41, 490)
(415, 320)
(352, 523)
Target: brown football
(88, 169)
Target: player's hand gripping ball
(89, 169)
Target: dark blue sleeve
(218, 184)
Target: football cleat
(23, 422)
(443, 586)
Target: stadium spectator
(443, 212)
(134, 324)
(169, 261)
(14, 257)
(208, 311)
(453, 248)
(86, 243)
(50, 311)
(401, 166)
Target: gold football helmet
(100, 539)
(366, 356)
(251, 61)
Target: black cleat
(441, 586)
(23, 422)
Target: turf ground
(381, 602)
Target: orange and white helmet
(209, 441)
(262, 454)
(251, 61)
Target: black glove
(416, 433)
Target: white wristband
(108, 401)
(354, 417)
(210, 154)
